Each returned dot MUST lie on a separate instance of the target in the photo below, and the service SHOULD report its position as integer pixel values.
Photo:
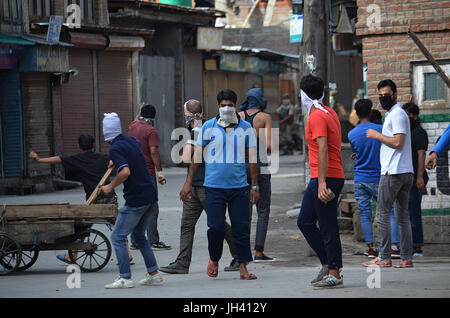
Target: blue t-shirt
(224, 153)
(367, 167)
(139, 188)
(443, 143)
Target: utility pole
(314, 49)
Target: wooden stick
(250, 13)
(96, 191)
(429, 57)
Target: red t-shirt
(148, 137)
(321, 124)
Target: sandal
(62, 258)
(211, 270)
(248, 276)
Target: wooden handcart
(26, 230)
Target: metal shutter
(115, 89)
(77, 100)
(11, 149)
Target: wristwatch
(255, 187)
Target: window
(40, 8)
(11, 10)
(429, 90)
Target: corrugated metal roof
(14, 40)
(169, 7)
(262, 51)
(42, 40)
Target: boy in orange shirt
(323, 134)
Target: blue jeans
(237, 200)
(134, 221)
(325, 240)
(364, 192)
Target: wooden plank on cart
(42, 231)
(51, 211)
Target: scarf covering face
(111, 126)
(308, 102)
(254, 99)
(197, 117)
(227, 116)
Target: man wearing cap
(252, 111)
(143, 129)
(141, 200)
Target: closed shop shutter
(37, 120)
(77, 101)
(115, 89)
(11, 150)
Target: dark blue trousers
(325, 240)
(237, 201)
(415, 215)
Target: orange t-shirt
(321, 124)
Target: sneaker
(371, 253)
(418, 254)
(329, 281)
(160, 246)
(174, 268)
(264, 258)
(133, 246)
(151, 280)
(234, 266)
(395, 253)
(378, 262)
(404, 264)
(120, 283)
(323, 272)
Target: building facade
(389, 52)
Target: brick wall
(389, 51)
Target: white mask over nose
(227, 116)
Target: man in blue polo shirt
(224, 142)
(367, 172)
(140, 203)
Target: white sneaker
(120, 283)
(329, 281)
(151, 280)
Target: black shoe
(234, 266)
(133, 246)
(160, 246)
(174, 268)
(264, 258)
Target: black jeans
(324, 241)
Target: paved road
(288, 277)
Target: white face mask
(227, 116)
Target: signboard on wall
(250, 64)
(209, 38)
(45, 58)
(54, 28)
(296, 28)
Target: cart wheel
(10, 254)
(28, 259)
(97, 256)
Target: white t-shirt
(395, 161)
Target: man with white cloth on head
(323, 134)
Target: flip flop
(211, 270)
(248, 276)
(62, 258)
